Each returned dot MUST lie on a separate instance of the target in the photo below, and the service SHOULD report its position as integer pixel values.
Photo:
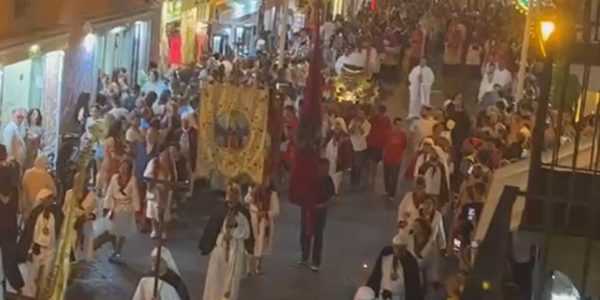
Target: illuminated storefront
(184, 31)
(120, 45)
(31, 78)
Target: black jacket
(412, 276)
(26, 240)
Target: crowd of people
(143, 168)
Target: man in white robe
(227, 257)
(395, 275)
(39, 240)
(170, 285)
(421, 79)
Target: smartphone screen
(471, 214)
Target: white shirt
(358, 139)
(119, 113)
(502, 77)
(486, 85)
(13, 140)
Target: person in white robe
(226, 263)
(489, 80)
(85, 213)
(170, 285)
(395, 275)
(332, 151)
(264, 209)
(158, 195)
(408, 210)
(33, 181)
(423, 153)
(39, 240)
(421, 79)
(122, 203)
(432, 252)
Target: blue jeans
(316, 238)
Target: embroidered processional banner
(233, 136)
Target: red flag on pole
(304, 182)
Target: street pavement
(359, 224)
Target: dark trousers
(316, 238)
(390, 178)
(8, 244)
(359, 159)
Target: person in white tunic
(160, 168)
(39, 240)
(122, 202)
(421, 79)
(227, 258)
(338, 151)
(408, 210)
(85, 213)
(432, 252)
(395, 275)
(170, 285)
(264, 209)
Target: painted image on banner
(232, 130)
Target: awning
(17, 49)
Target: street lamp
(546, 29)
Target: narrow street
(353, 216)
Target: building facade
(53, 51)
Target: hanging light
(34, 50)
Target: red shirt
(394, 148)
(380, 128)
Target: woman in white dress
(122, 202)
(264, 208)
(158, 195)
